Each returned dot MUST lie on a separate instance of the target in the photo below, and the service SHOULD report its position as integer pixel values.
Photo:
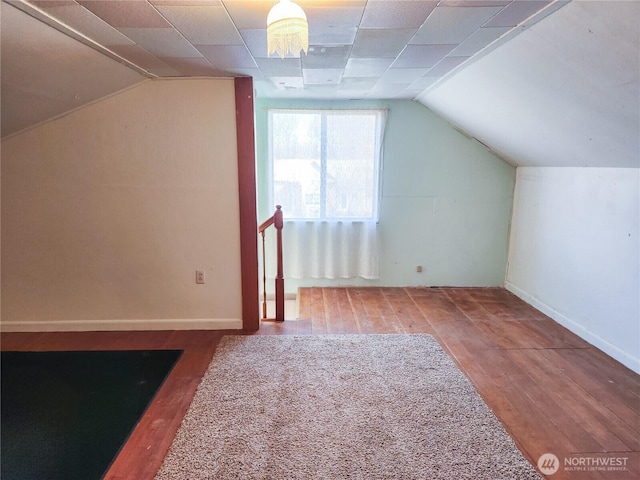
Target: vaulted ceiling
(541, 82)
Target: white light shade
(287, 29)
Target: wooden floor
(553, 392)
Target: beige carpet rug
(337, 407)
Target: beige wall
(108, 212)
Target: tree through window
(325, 163)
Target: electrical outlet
(419, 269)
(200, 276)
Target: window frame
(380, 118)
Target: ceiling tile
(326, 92)
(424, 82)
(387, 90)
(478, 40)
(249, 14)
(517, 12)
(361, 83)
(287, 82)
(268, 89)
(126, 13)
(85, 22)
(228, 56)
(256, 41)
(162, 42)
(142, 58)
(403, 75)
(448, 25)
(380, 42)
(396, 14)
(358, 47)
(474, 3)
(408, 94)
(320, 56)
(47, 4)
(203, 25)
(335, 15)
(367, 67)
(186, 3)
(422, 56)
(280, 67)
(445, 65)
(191, 66)
(36, 86)
(332, 35)
(324, 76)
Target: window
(325, 163)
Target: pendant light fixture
(287, 29)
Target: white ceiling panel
(403, 75)
(280, 67)
(478, 40)
(452, 25)
(367, 67)
(154, 34)
(46, 73)
(547, 82)
(380, 42)
(332, 35)
(516, 12)
(161, 42)
(358, 83)
(566, 92)
(446, 65)
(228, 56)
(249, 14)
(126, 13)
(339, 14)
(422, 56)
(74, 14)
(396, 14)
(203, 25)
(144, 59)
(256, 42)
(196, 66)
(326, 57)
(313, 76)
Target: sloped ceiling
(46, 73)
(357, 48)
(565, 92)
(540, 82)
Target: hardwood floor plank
(618, 397)
(409, 316)
(364, 322)
(612, 433)
(553, 392)
(318, 319)
(339, 315)
(547, 393)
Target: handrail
(278, 222)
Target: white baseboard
(623, 357)
(122, 325)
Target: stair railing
(277, 221)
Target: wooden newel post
(279, 224)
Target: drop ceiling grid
(397, 46)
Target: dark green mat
(65, 415)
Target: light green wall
(446, 200)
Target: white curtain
(330, 249)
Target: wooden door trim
(245, 137)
